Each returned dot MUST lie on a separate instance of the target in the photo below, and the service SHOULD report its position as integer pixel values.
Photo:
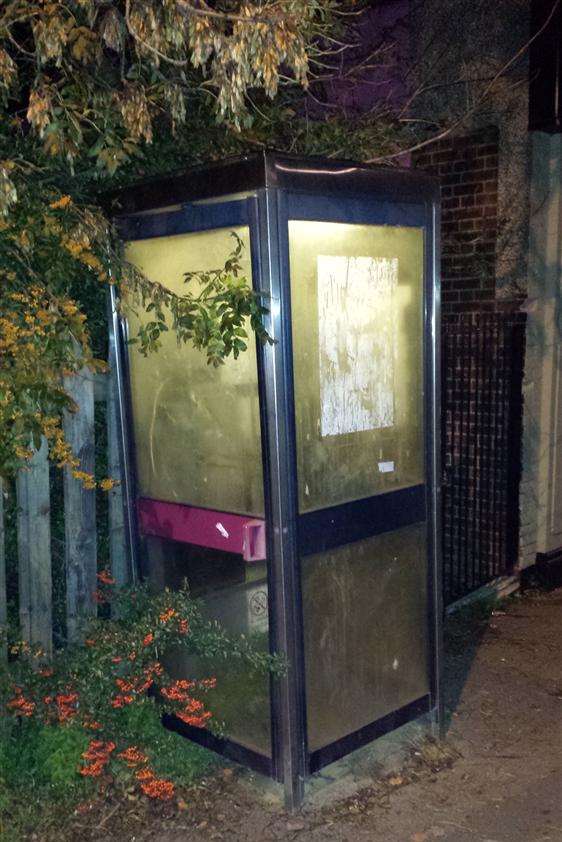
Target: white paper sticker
(357, 337)
(386, 467)
(222, 530)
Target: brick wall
(482, 352)
(468, 170)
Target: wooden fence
(33, 491)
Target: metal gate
(482, 357)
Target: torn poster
(357, 338)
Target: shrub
(92, 716)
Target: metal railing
(482, 371)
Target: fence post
(80, 508)
(34, 550)
(3, 597)
(117, 547)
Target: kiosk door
(357, 314)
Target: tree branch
(457, 123)
(132, 32)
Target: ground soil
(497, 777)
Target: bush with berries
(97, 708)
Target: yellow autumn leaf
(83, 44)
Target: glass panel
(356, 300)
(365, 629)
(197, 436)
(234, 593)
(197, 428)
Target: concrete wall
(541, 483)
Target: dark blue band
(328, 528)
(189, 219)
(358, 211)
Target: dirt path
(499, 778)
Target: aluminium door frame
(189, 219)
(278, 206)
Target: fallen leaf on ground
(295, 824)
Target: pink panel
(204, 527)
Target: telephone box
(297, 487)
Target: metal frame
(189, 219)
(228, 748)
(360, 519)
(310, 189)
(118, 353)
(432, 361)
(351, 742)
(275, 361)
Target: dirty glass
(197, 428)
(234, 593)
(365, 632)
(197, 437)
(356, 300)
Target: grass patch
(38, 777)
(39, 784)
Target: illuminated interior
(357, 319)
(191, 447)
(197, 437)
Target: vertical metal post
(118, 555)
(434, 470)
(120, 381)
(286, 617)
